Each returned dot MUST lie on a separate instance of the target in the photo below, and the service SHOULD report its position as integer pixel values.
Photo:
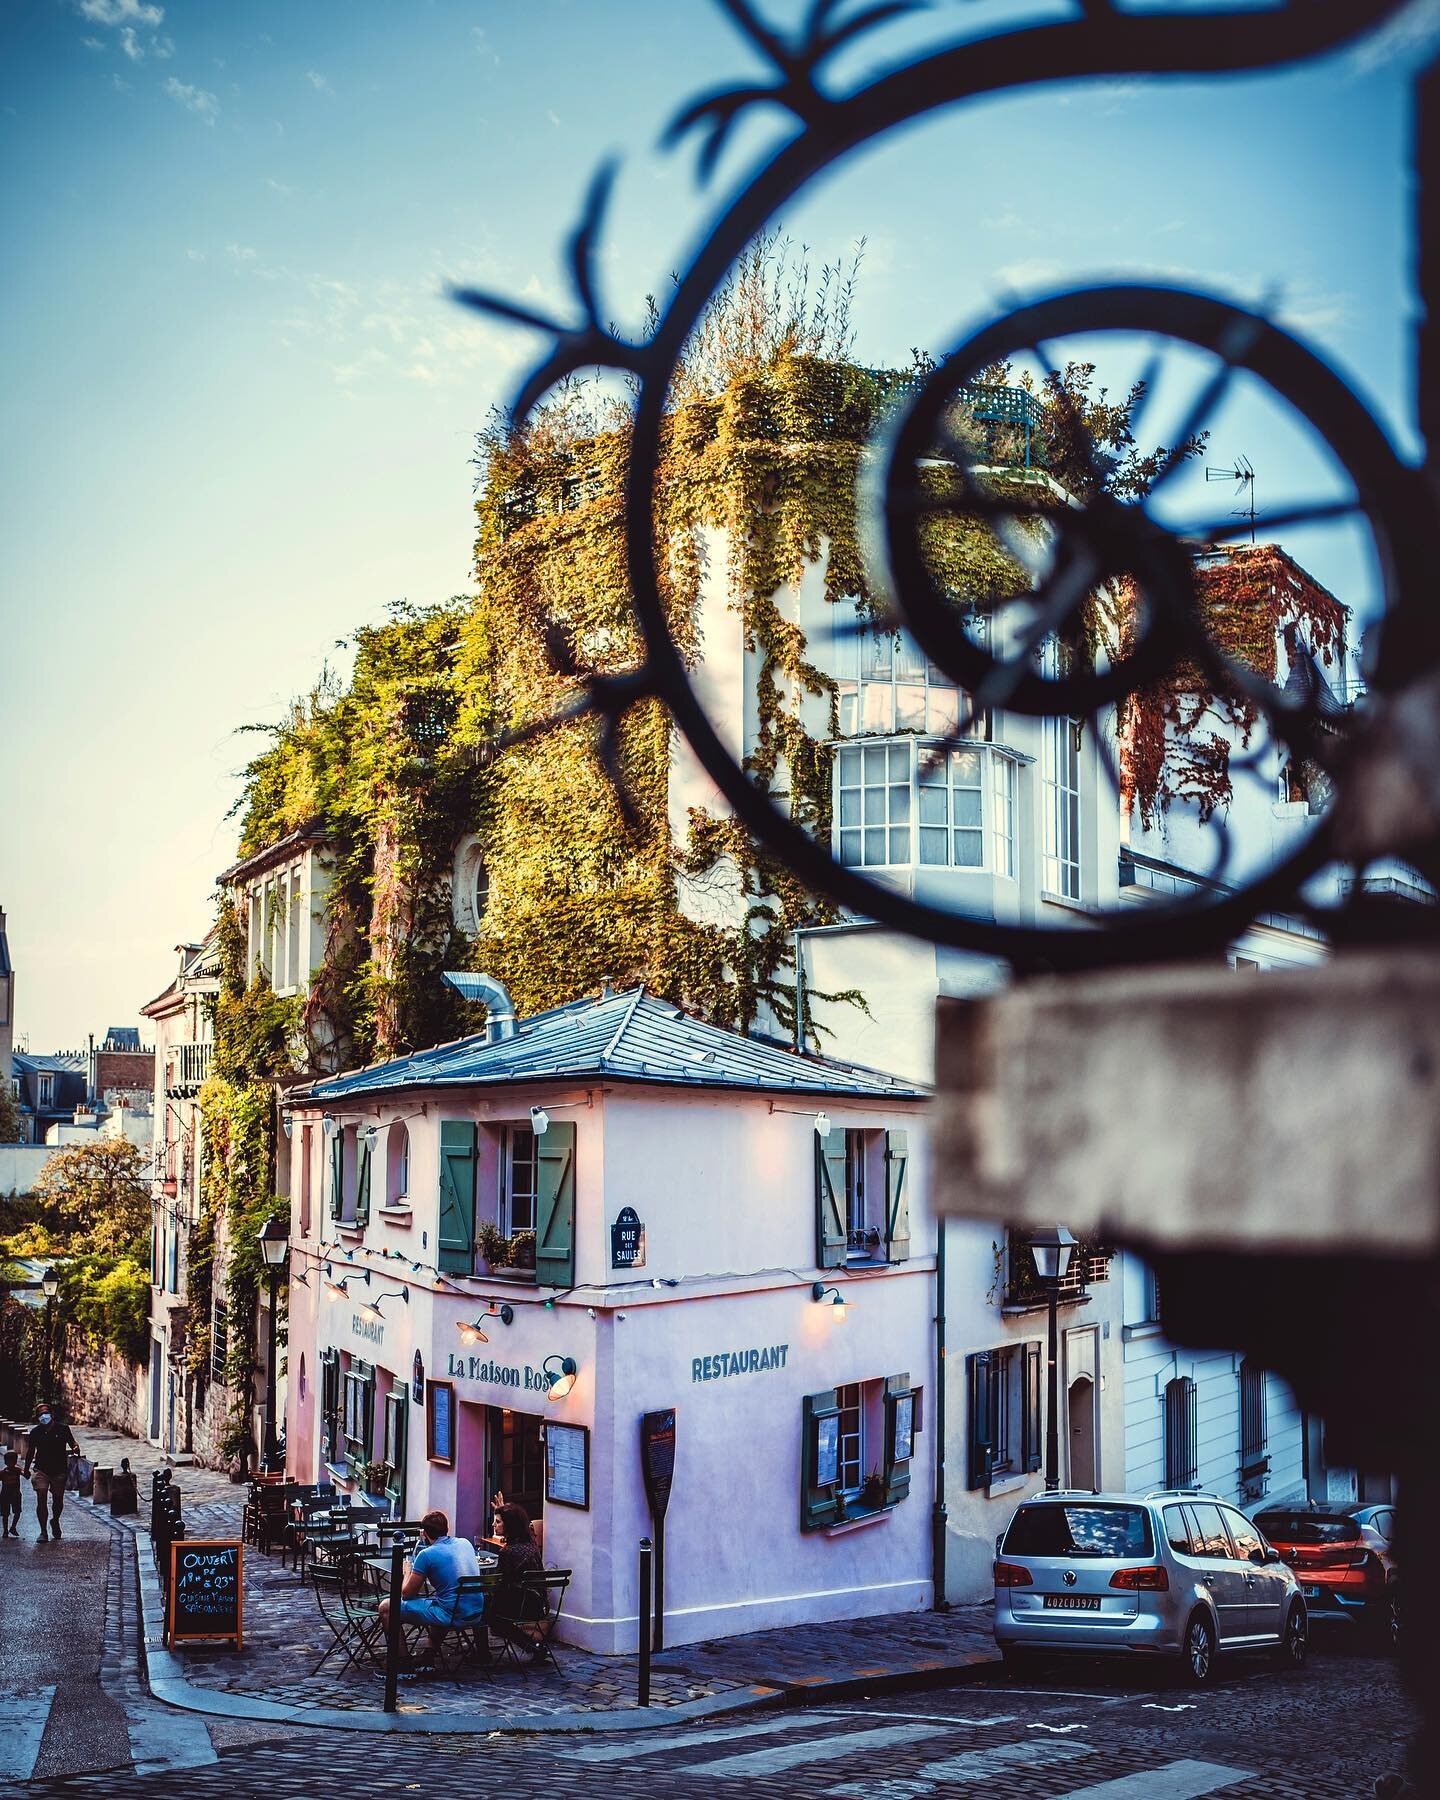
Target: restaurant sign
(371, 1329)
(738, 1362)
(479, 1368)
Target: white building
(507, 1251)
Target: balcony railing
(1089, 1264)
(187, 1068)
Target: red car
(1343, 1559)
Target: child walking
(10, 1495)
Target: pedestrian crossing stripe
(1183, 1780)
(652, 1744)
(827, 1749)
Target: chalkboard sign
(827, 1449)
(627, 1240)
(657, 1458)
(206, 1592)
(567, 1465)
(440, 1422)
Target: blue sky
(238, 408)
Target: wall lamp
(340, 1290)
(539, 1120)
(329, 1124)
(287, 1124)
(839, 1308)
(561, 1377)
(371, 1309)
(472, 1331)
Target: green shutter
(821, 1502)
(397, 1413)
(831, 1224)
(897, 1196)
(980, 1396)
(363, 1150)
(337, 1174)
(1032, 1430)
(457, 1196)
(897, 1469)
(329, 1401)
(555, 1206)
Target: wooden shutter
(1032, 1423)
(457, 1196)
(555, 1206)
(329, 1401)
(897, 1196)
(337, 1174)
(831, 1224)
(821, 1502)
(897, 1470)
(397, 1413)
(363, 1149)
(980, 1373)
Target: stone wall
(98, 1387)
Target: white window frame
(850, 1398)
(1060, 780)
(519, 1137)
(884, 801)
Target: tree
(9, 1116)
(97, 1192)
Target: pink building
(506, 1251)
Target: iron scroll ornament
(1097, 43)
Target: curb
(165, 1677)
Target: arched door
(1080, 1412)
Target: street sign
(627, 1240)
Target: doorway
(516, 1460)
(157, 1375)
(1080, 1414)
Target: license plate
(1072, 1602)
(1311, 1593)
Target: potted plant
(872, 1491)
(493, 1247)
(377, 1477)
(522, 1250)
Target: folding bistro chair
(528, 1624)
(353, 1619)
(472, 1640)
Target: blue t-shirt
(443, 1563)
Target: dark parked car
(1343, 1559)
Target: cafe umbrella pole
(393, 1632)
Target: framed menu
(440, 1422)
(567, 1465)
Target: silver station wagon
(1176, 1573)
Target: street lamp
(50, 1287)
(274, 1240)
(1052, 1249)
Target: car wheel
(1295, 1639)
(1197, 1656)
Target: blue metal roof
(630, 1036)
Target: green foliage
(9, 1115)
(97, 1193)
(107, 1300)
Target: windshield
(1307, 1528)
(1079, 1530)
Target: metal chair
(531, 1609)
(471, 1637)
(353, 1619)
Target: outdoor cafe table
(379, 1567)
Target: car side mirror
(1273, 1555)
(1258, 1556)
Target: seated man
(440, 1562)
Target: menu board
(205, 1597)
(827, 1449)
(657, 1458)
(567, 1465)
(440, 1422)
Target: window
(1006, 1431)
(521, 1169)
(874, 805)
(359, 1413)
(1253, 1460)
(1060, 1529)
(1243, 1534)
(1210, 1536)
(1060, 775)
(890, 686)
(1177, 1532)
(954, 803)
(1181, 1443)
(330, 1406)
(858, 1444)
(219, 1337)
(862, 1197)
(1152, 1297)
(470, 886)
(306, 1147)
(397, 1158)
(47, 1090)
(397, 1405)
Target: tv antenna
(1242, 473)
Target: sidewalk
(273, 1678)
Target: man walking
(47, 1451)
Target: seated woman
(507, 1612)
(439, 1563)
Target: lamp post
(274, 1240)
(50, 1287)
(1052, 1249)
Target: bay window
(907, 801)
